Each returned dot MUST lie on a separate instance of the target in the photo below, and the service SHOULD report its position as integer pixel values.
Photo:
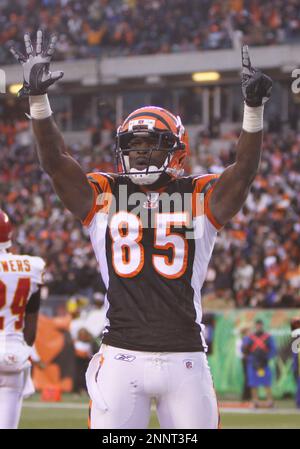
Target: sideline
(244, 411)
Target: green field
(71, 413)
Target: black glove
(36, 74)
(256, 86)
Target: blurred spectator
(243, 356)
(259, 348)
(84, 341)
(83, 345)
(295, 328)
(243, 278)
(95, 319)
(262, 242)
(75, 309)
(209, 322)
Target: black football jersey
(153, 249)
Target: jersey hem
(129, 347)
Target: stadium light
(14, 88)
(153, 79)
(202, 77)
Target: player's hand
(256, 86)
(36, 74)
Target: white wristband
(39, 106)
(253, 119)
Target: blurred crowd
(41, 229)
(132, 27)
(256, 259)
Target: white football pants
(121, 384)
(15, 380)
(11, 398)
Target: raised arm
(232, 187)
(68, 179)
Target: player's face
(259, 327)
(139, 159)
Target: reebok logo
(125, 358)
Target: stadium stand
(133, 27)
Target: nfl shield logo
(152, 200)
(189, 364)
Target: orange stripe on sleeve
(100, 185)
(92, 212)
(208, 211)
(200, 207)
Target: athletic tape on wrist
(253, 121)
(39, 107)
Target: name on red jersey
(15, 265)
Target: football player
(153, 232)
(295, 328)
(20, 280)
